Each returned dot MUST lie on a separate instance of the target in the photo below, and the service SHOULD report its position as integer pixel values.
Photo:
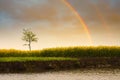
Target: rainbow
(80, 19)
(101, 18)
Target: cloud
(24, 11)
(93, 10)
(19, 10)
(54, 23)
(48, 11)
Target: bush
(102, 51)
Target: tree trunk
(30, 46)
(29, 43)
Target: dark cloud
(44, 9)
(55, 22)
(51, 11)
(92, 10)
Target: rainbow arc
(79, 17)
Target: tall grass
(102, 51)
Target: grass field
(24, 59)
(102, 51)
(59, 59)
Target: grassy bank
(26, 59)
(79, 52)
(59, 59)
(15, 65)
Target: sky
(60, 23)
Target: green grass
(102, 51)
(24, 59)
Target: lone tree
(29, 37)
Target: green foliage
(65, 52)
(29, 37)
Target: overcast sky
(56, 25)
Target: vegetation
(65, 52)
(26, 65)
(24, 59)
(13, 61)
(29, 37)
